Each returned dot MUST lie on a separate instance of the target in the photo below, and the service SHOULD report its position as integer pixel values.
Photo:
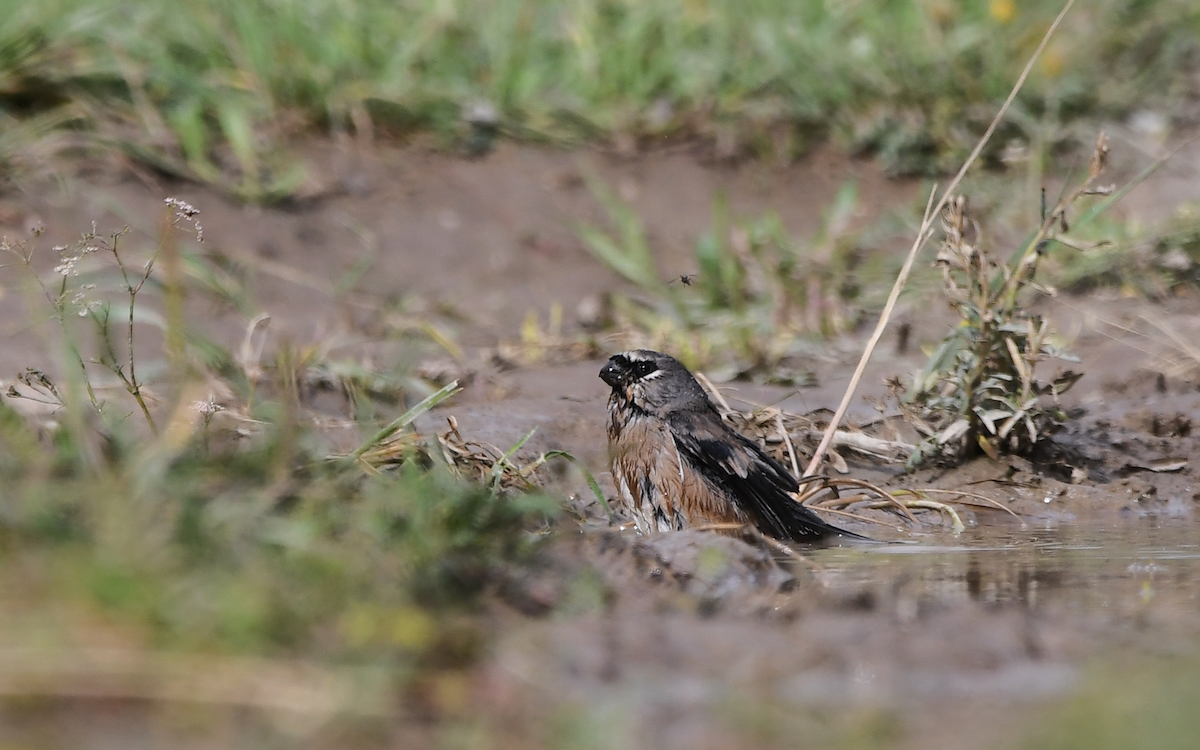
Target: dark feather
(757, 483)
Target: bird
(676, 464)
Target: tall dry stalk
(923, 235)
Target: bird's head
(651, 381)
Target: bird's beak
(612, 375)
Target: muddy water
(1090, 568)
(958, 642)
(1007, 614)
(946, 642)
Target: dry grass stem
(887, 450)
(985, 501)
(955, 522)
(833, 485)
(856, 516)
(787, 441)
(782, 548)
(749, 530)
(714, 392)
(923, 235)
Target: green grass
(129, 559)
(128, 556)
(139, 533)
(217, 89)
(755, 299)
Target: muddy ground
(693, 640)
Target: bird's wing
(755, 481)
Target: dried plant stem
(714, 392)
(132, 288)
(955, 522)
(872, 446)
(857, 517)
(792, 554)
(769, 542)
(922, 237)
(834, 484)
(1023, 268)
(787, 441)
(959, 494)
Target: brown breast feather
(633, 457)
(645, 448)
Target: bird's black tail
(801, 524)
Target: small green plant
(980, 389)
(753, 296)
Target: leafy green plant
(980, 389)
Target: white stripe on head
(638, 355)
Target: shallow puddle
(1125, 567)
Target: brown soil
(696, 640)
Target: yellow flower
(1003, 10)
(1052, 63)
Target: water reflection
(1079, 566)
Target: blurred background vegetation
(218, 90)
(125, 545)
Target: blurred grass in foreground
(216, 89)
(260, 578)
(1149, 703)
(182, 535)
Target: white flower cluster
(80, 299)
(185, 211)
(207, 408)
(69, 264)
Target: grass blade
(497, 471)
(587, 475)
(404, 420)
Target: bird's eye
(642, 368)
